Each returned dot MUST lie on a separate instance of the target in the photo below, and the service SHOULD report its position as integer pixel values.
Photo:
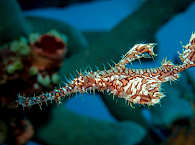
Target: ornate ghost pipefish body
(137, 86)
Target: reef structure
(136, 86)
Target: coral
(76, 40)
(137, 86)
(18, 69)
(33, 71)
(33, 37)
(55, 78)
(45, 81)
(14, 24)
(26, 57)
(20, 46)
(58, 35)
(17, 65)
(47, 51)
(87, 130)
(22, 137)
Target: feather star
(136, 86)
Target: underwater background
(92, 33)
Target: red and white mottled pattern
(137, 86)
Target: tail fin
(188, 55)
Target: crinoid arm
(138, 51)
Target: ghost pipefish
(136, 86)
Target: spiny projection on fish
(136, 86)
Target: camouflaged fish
(136, 86)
